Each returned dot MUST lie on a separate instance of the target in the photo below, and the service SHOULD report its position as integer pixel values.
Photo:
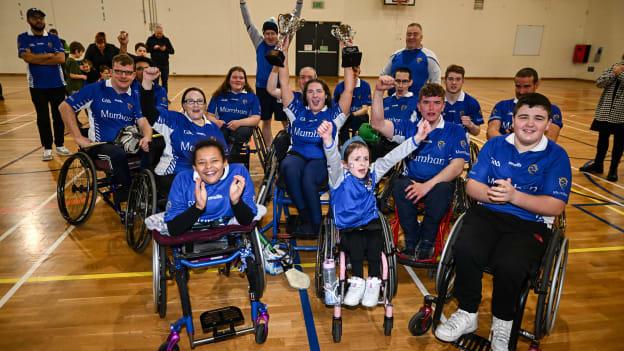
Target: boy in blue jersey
(359, 106)
(521, 181)
(235, 109)
(422, 62)
(352, 186)
(45, 56)
(431, 169)
(263, 43)
(111, 105)
(160, 94)
(526, 81)
(460, 108)
(210, 194)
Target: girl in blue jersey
(180, 131)
(235, 109)
(212, 193)
(304, 168)
(352, 187)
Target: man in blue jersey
(521, 181)
(422, 62)
(526, 81)
(460, 108)
(306, 74)
(45, 57)
(263, 43)
(111, 105)
(359, 105)
(431, 169)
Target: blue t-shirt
(503, 111)
(353, 203)
(218, 206)
(304, 138)
(544, 170)
(234, 106)
(417, 61)
(108, 111)
(42, 76)
(398, 109)
(263, 67)
(160, 94)
(466, 105)
(361, 94)
(181, 135)
(443, 144)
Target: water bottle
(330, 282)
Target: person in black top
(101, 53)
(159, 46)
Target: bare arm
(493, 128)
(69, 118)
(284, 78)
(378, 121)
(49, 58)
(271, 87)
(362, 111)
(347, 95)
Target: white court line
(615, 202)
(16, 128)
(26, 218)
(419, 285)
(16, 117)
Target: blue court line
(601, 187)
(308, 317)
(580, 207)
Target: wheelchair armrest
(201, 235)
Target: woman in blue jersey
(304, 168)
(210, 194)
(180, 131)
(352, 187)
(235, 109)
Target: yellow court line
(597, 249)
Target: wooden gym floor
(82, 288)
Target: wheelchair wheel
(337, 329)
(461, 201)
(141, 204)
(159, 278)
(445, 274)
(321, 253)
(474, 154)
(76, 188)
(556, 279)
(255, 267)
(393, 278)
(419, 324)
(388, 323)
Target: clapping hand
(236, 188)
(200, 194)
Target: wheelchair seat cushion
(202, 235)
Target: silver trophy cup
(351, 55)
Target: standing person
(45, 56)
(160, 47)
(422, 62)
(140, 49)
(76, 78)
(53, 31)
(264, 42)
(359, 106)
(460, 108)
(526, 81)
(609, 120)
(101, 53)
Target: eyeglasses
(402, 81)
(194, 102)
(121, 72)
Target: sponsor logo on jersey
(441, 144)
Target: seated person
(304, 169)
(111, 105)
(521, 182)
(352, 187)
(359, 106)
(235, 109)
(306, 74)
(212, 193)
(500, 122)
(431, 169)
(180, 131)
(461, 108)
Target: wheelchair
(259, 149)
(174, 256)
(546, 281)
(329, 248)
(78, 186)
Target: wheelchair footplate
(472, 342)
(216, 320)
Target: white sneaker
(371, 293)
(501, 330)
(47, 155)
(62, 150)
(355, 292)
(460, 323)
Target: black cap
(269, 25)
(138, 59)
(33, 12)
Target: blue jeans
(304, 179)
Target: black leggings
(603, 146)
(365, 242)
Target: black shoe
(424, 252)
(612, 176)
(592, 167)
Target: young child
(352, 184)
(92, 75)
(75, 76)
(105, 72)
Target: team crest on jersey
(419, 59)
(244, 101)
(463, 144)
(130, 106)
(403, 107)
(441, 144)
(556, 117)
(532, 168)
(563, 183)
(164, 99)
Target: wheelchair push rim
(446, 258)
(141, 204)
(77, 188)
(556, 287)
(159, 279)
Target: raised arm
(347, 95)
(330, 146)
(284, 78)
(272, 83)
(382, 165)
(378, 121)
(254, 34)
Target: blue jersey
(443, 144)
(234, 106)
(181, 135)
(263, 67)
(361, 94)
(422, 63)
(465, 105)
(42, 76)
(160, 94)
(503, 111)
(353, 203)
(218, 206)
(305, 140)
(544, 170)
(403, 108)
(108, 111)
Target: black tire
(337, 330)
(393, 276)
(418, 325)
(320, 258)
(255, 267)
(159, 278)
(388, 323)
(76, 188)
(261, 332)
(163, 347)
(141, 204)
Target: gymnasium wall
(209, 36)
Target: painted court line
(26, 218)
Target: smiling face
(530, 124)
(358, 161)
(270, 37)
(141, 51)
(122, 76)
(209, 164)
(315, 96)
(413, 37)
(194, 104)
(237, 81)
(431, 107)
